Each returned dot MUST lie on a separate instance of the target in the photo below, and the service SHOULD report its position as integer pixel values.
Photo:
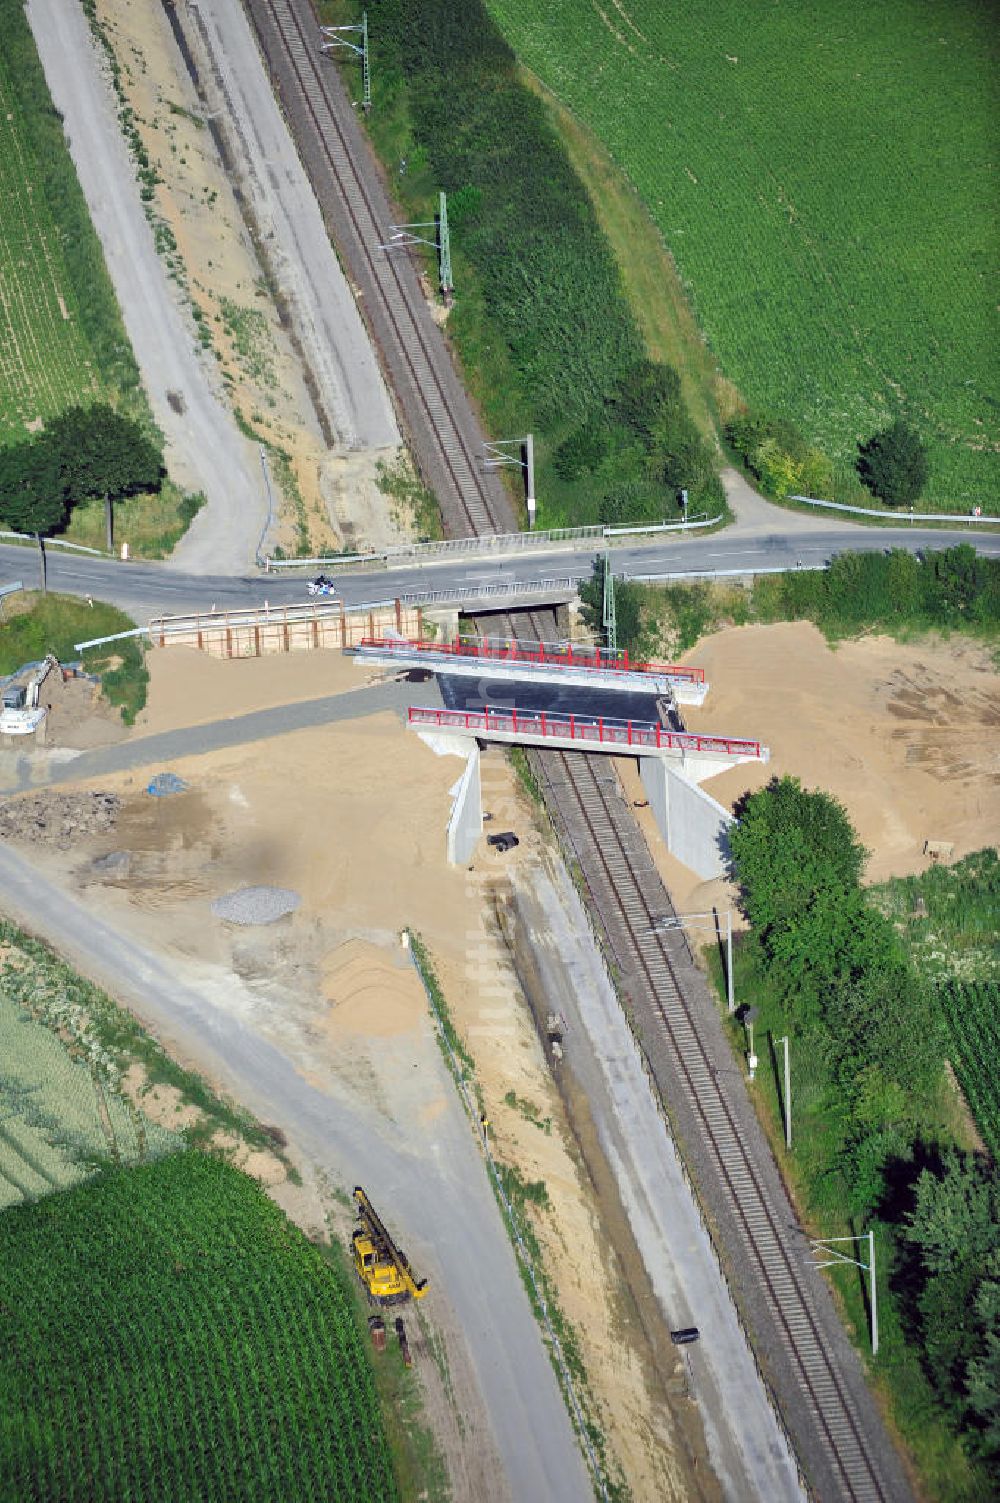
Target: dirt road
(346, 380)
(204, 448)
(442, 1198)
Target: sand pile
(256, 905)
(370, 993)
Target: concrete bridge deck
(560, 664)
(706, 754)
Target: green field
(169, 1334)
(825, 177)
(61, 335)
(61, 1115)
(950, 917)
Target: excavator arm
(385, 1248)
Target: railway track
(814, 1374)
(630, 900)
(445, 434)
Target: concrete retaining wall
(693, 824)
(465, 825)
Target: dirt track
(205, 450)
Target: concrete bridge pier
(465, 823)
(693, 824)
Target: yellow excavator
(382, 1267)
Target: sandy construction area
(188, 687)
(905, 734)
(352, 818)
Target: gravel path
(748, 1450)
(191, 741)
(205, 450)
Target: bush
(893, 464)
(582, 452)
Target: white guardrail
(970, 519)
(29, 537)
(488, 546)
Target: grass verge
(37, 624)
(85, 1017)
(417, 1462)
(151, 525)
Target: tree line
(838, 979)
(614, 441)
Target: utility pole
(402, 235)
(529, 466)
(339, 38)
(749, 1016)
(444, 251)
(832, 1257)
(610, 625)
(497, 454)
(730, 996)
(788, 1093)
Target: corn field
(168, 1334)
(825, 178)
(60, 1117)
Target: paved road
(146, 590)
(434, 1180)
(33, 770)
(205, 449)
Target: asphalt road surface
(438, 1191)
(147, 590)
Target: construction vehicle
(20, 714)
(382, 1267)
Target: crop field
(45, 363)
(168, 1333)
(972, 1011)
(60, 1116)
(61, 334)
(949, 916)
(825, 177)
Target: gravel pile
(58, 819)
(256, 905)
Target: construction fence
(284, 628)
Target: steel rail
(466, 495)
(845, 1468)
(617, 888)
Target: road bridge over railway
(672, 763)
(506, 660)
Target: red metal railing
(544, 653)
(539, 725)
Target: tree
(628, 609)
(102, 453)
(32, 498)
(955, 1230)
(798, 863)
(893, 464)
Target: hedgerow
(542, 321)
